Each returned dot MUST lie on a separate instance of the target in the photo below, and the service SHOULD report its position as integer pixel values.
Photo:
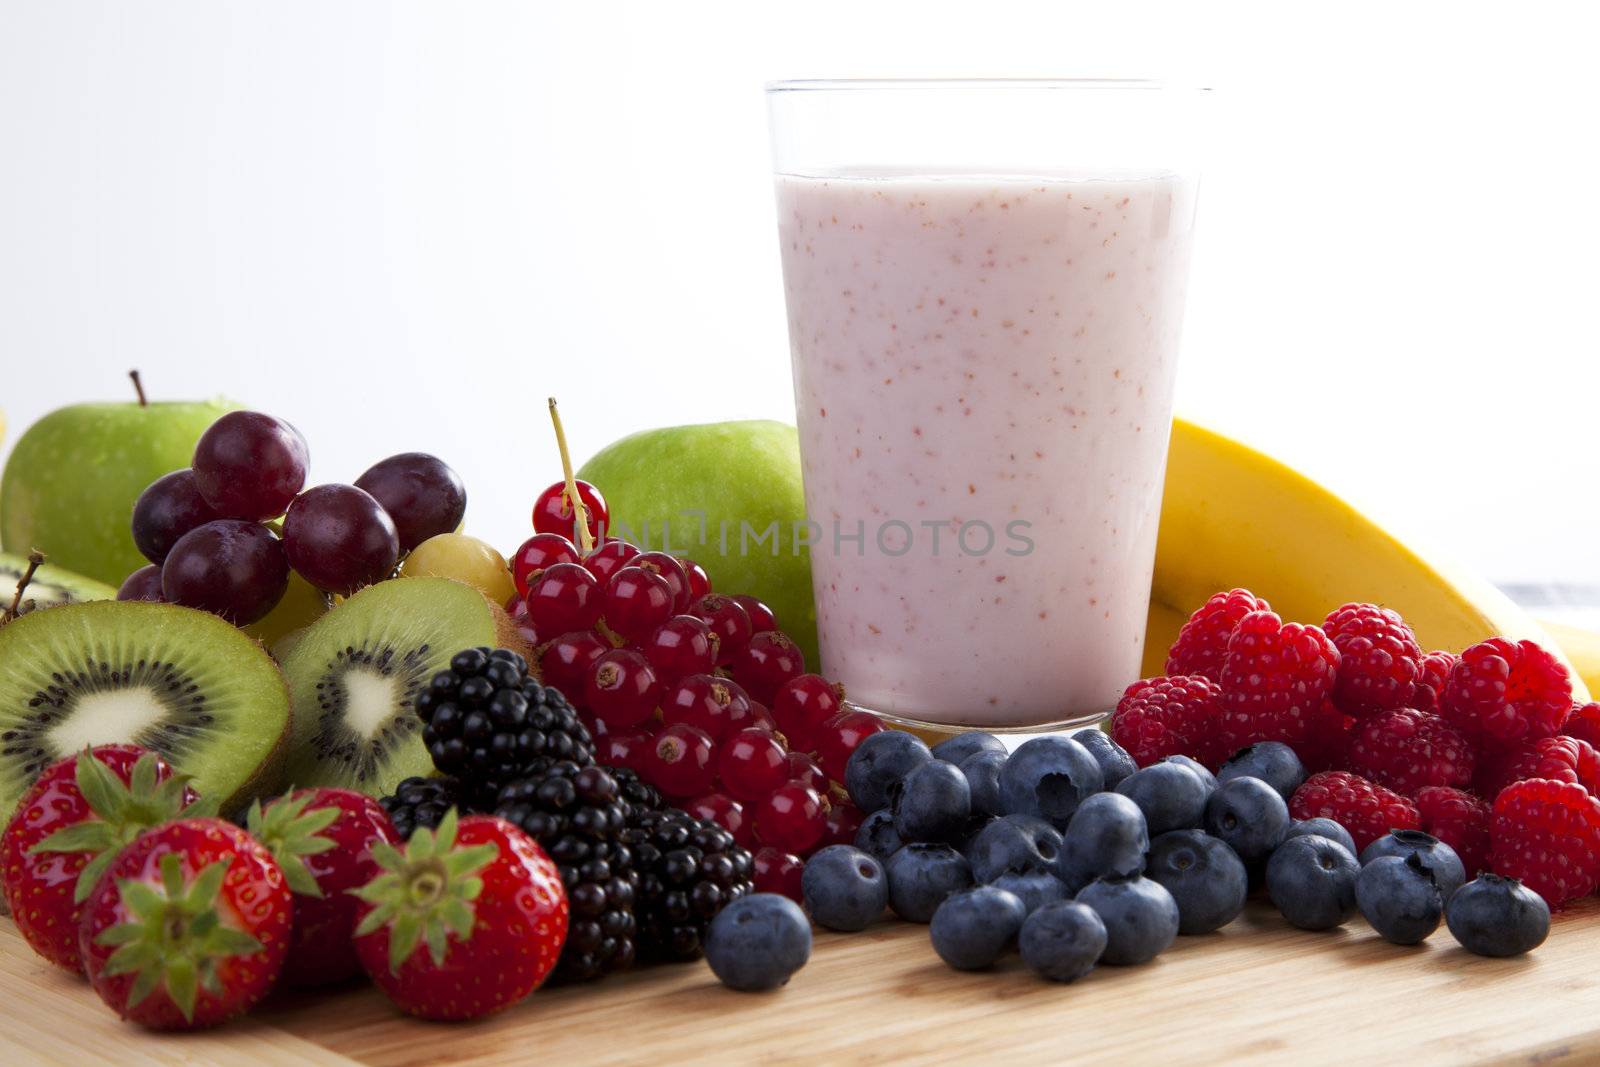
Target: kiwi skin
(51, 585)
(268, 774)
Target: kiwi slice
(354, 672)
(51, 586)
(179, 681)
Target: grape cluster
(699, 693)
(214, 540)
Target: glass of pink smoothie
(985, 287)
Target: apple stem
(580, 514)
(35, 560)
(138, 387)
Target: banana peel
(1233, 516)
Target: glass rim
(834, 85)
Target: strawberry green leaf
(292, 833)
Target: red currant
(769, 660)
(844, 819)
(699, 580)
(751, 765)
(726, 813)
(565, 597)
(636, 602)
(564, 661)
(801, 705)
(839, 737)
(670, 569)
(706, 701)
(776, 871)
(681, 645)
(761, 617)
(538, 552)
(609, 558)
(628, 749)
(807, 771)
(621, 689)
(679, 761)
(727, 619)
(761, 718)
(792, 818)
(517, 608)
(553, 512)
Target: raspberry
(1174, 716)
(1502, 692)
(1547, 834)
(1327, 748)
(1560, 759)
(1433, 670)
(1408, 750)
(1378, 658)
(1460, 820)
(1274, 680)
(1202, 644)
(1366, 809)
(1583, 722)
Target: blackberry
(578, 814)
(689, 870)
(420, 802)
(487, 721)
(640, 794)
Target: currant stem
(579, 512)
(35, 560)
(138, 387)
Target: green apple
(726, 494)
(72, 479)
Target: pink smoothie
(983, 371)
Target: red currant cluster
(700, 693)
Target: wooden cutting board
(1259, 991)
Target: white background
(402, 225)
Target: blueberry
(1201, 771)
(1035, 888)
(1115, 763)
(1439, 858)
(1495, 916)
(969, 833)
(1271, 761)
(844, 888)
(1169, 794)
(1206, 878)
(876, 836)
(1141, 917)
(1062, 941)
(879, 763)
(921, 876)
(932, 803)
(958, 748)
(1013, 843)
(983, 780)
(1320, 827)
(1107, 836)
(1049, 777)
(1399, 898)
(972, 929)
(1249, 815)
(758, 941)
(1312, 881)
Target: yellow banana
(1235, 517)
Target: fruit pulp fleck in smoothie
(983, 373)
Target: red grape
(249, 465)
(142, 584)
(420, 492)
(537, 553)
(230, 568)
(169, 508)
(553, 512)
(339, 538)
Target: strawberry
(468, 920)
(323, 840)
(189, 927)
(67, 829)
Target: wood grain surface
(1259, 992)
